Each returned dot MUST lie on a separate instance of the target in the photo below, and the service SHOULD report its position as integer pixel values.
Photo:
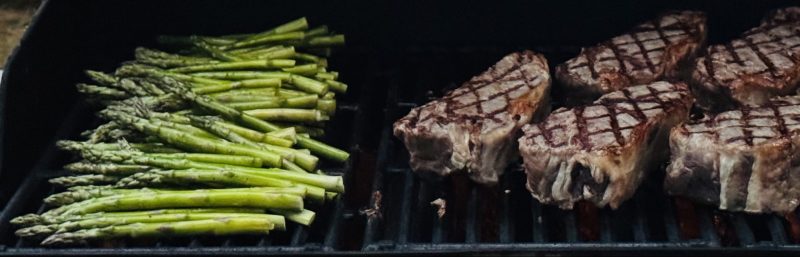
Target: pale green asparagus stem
(217, 227)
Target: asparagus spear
(184, 140)
(286, 114)
(261, 40)
(81, 194)
(239, 65)
(81, 180)
(253, 122)
(45, 230)
(31, 219)
(101, 92)
(105, 168)
(225, 226)
(182, 199)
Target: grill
(392, 67)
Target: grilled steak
(783, 15)
(649, 52)
(763, 63)
(600, 152)
(474, 127)
(744, 159)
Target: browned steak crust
(474, 127)
(745, 159)
(651, 51)
(763, 63)
(600, 152)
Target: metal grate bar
(299, 236)
(539, 229)
(606, 228)
(670, 224)
(570, 228)
(640, 229)
(777, 230)
(384, 152)
(506, 214)
(707, 230)
(405, 211)
(472, 227)
(743, 231)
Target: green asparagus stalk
(28, 220)
(242, 75)
(336, 85)
(144, 147)
(45, 230)
(283, 52)
(307, 101)
(243, 106)
(225, 226)
(188, 141)
(82, 180)
(134, 70)
(86, 193)
(328, 107)
(304, 217)
(182, 199)
(266, 39)
(294, 25)
(252, 83)
(239, 65)
(102, 92)
(305, 69)
(213, 158)
(214, 52)
(285, 114)
(324, 41)
(112, 169)
(152, 53)
(253, 122)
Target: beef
(741, 160)
(473, 128)
(649, 52)
(763, 63)
(600, 152)
(783, 15)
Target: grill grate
(507, 219)
(477, 219)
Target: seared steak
(744, 159)
(649, 52)
(763, 63)
(783, 15)
(474, 127)
(600, 152)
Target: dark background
(70, 36)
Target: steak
(601, 151)
(763, 63)
(651, 51)
(474, 127)
(744, 159)
(783, 15)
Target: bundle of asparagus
(216, 138)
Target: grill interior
(392, 66)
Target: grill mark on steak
(472, 128)
(761, 57)
(648, 52)
(613, 139)
(749, 153)
(768, 65)
(643, 50)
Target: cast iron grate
(387, 207)
(507, 219)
